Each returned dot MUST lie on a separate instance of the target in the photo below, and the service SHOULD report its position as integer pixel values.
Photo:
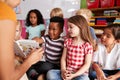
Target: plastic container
(107, 3)
(92, 4)
(117, 2)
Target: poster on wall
(44, 6)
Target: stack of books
(92, 22)
(101, 21)
(110, 13)
(117, 21)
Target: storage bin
(106, 3)
(92, 4)
(117, 2)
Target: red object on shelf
(101, 21)
(106, 3)
(117, 2)
(92, 4)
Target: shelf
(99, 13)
(98, 33)
(110, 8)
(106, 17)
(99, 26)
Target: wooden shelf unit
(99, 13)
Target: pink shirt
(76, 54)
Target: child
(18, 31)
(56, 12)
(18, 37)
(87, 14)
(35, 24)
(77, 53)
(53, 48)
(108, 54)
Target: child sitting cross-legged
(53, 49)
(106, 59)
(77, 52)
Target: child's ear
(61, 30)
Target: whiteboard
(44, 6)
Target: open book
(23, 47)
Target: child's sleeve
(44, 38)
(27, 29)
(42, 26)
(88, 48)
(118, 61)
(65, 43)
(95, 56)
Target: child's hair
(40, 19)
(115, 28)
(85, 11)
(59, 20)
(81, 22)
(56, 12)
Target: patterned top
(76, 54)
(7, 12)
(53, 49)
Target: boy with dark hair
(53, 48)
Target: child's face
(54, 30)
(33, 18)
(18, 32)
(73, 30)
(107, 37)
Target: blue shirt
(93, 33)
(35, 31)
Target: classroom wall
(45, 6)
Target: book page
(23, 47)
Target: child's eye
(54, 29)
(70, 27)
(17, 30)
(108, 36)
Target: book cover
(23, 47)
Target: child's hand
(36, 39)
(99, 72)
(63, 74)
(35, 56)
(19, 59)
(69, 75)
(112, 77)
